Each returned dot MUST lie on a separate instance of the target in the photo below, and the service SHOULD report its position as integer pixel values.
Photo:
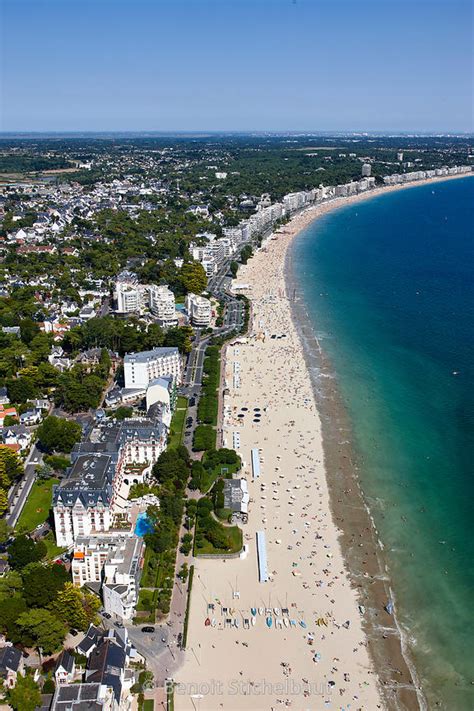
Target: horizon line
(242, 132)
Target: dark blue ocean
(389, 286)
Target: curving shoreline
(300, 439)
(373, 584)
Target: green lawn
(53, 549)
(177, 422)
(148, 705)
(210, 475)
(146, 600)
(37, 506)
(235, 539)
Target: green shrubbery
(204, 438)
(214, 463)
(211, 536)
(209, 400)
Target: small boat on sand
(207, 622)
(276, 610)
(252, 621)
(260, 610)
(303, 624)
(285, 622)
(269, 621)
(253, 610)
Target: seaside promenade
(319, 655)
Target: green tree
(42, 584)
(11, 467)
(246, 253)
(171, 467)
(234, 266)
(22, 389)
(41, 629)
(179, 338)
(57, 434)
(26, 695)
(161, 540)
(25, 550)
(193, 277)
(5, 531)
(10, 584)
(44, 471)
(121, 413)
(3, 501)
(12, 608)
(76, 607)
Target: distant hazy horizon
(252, 134)
(243, 66)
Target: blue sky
(177, 65)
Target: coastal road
(158, 648)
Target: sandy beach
(331, 644)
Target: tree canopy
(193, 277)
(41, 629)
(24, 550)
(56, 434)
(25, 695)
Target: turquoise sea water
(389, 287)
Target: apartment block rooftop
(147, 356)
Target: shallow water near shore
(388, 284)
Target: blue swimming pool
(143, 525)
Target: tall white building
(128, 297)
(141, 368)
(114, 562)
(162, 305)
(199, 310)
(366, 170)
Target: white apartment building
(162, 305)
(199, 310)
(141, 368)
(129, 297)
(116, 564)
(162, 392)
(366, 170)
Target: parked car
(119, 624)
(74, 632)
(148, 629)
(107, 615)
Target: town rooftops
(89, 480)
(90, 640)
(147, 356)
(106, 666)
(10, 658)
(110, 436)
(65, 662)
(78, 697)
(236, 496)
